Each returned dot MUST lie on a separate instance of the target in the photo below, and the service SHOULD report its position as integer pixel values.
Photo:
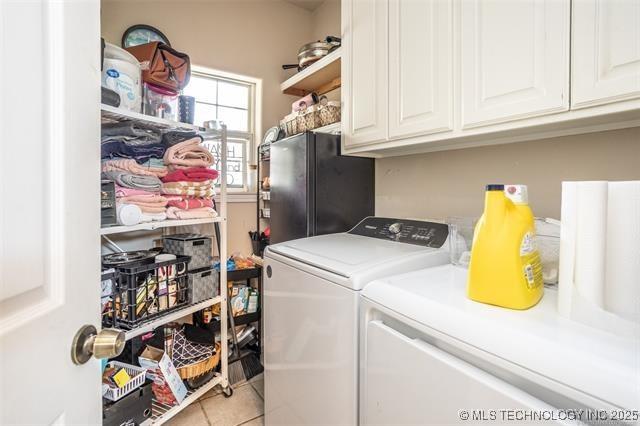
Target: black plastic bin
(144, 292)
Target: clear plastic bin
(461, 239)
(159, 102)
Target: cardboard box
(168, 386)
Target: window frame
(254, 112)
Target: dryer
(429, 355)
(311, 288)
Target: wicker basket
(309, 119)
(200, 368)
(329, 113)
(290, 124)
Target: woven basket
(309, 118)
(329, 113)
(202, 367)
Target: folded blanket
(153, 203)
(153, 162)
(140, 153)
(188, 203)
(176, 136)
(131, 166)
(202, 189)
(130, 132)
(129, 180)
(201, 213)
(192, 174)
(153, 217)
(122, 191)
(188, 154)
(186, 184)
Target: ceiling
(310, 5)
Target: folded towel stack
(145, 165)
(189, 185)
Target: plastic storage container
(137, 374)
(108, 214)
(133, 409)
(203, 285)
(121, 73)
(144, 292)
(196, 246)
(160, 102)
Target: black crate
(133, 409)
(144, 292)
(135, 346)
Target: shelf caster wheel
(227, 392)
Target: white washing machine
(311, 288)
(429, 355)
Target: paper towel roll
(128, 214)
(622, 288)
(591, 240)
(567, 247)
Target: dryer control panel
(428, 234)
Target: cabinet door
(514, 59)
(420, 67)
(605, 51)
(364, 71)
(408, 381)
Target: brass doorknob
(107, 343)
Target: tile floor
(245, 407)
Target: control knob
(395, 228)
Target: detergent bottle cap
(494, 187)
(517, 193)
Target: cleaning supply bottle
(505, 267)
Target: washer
(311, 288)
(429, 355)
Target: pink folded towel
(188, 203)
(153, 203)
(121, 191)
(187, 154)
(200, 213)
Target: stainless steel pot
(311, 52)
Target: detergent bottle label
(528, 244)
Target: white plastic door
(420, 67)
(310, 348)
(410, 382)
(605, 52)
(49, 209)
(514, 59)
(364, 71)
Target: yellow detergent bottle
(505, 267)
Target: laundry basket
(137, 374)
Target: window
(230, 100)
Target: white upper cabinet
(514, 59)
(420, 67)
(364, 71)
(605, 51)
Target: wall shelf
(171, 316)
(321, 77)
(151, 226)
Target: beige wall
(249, 37)
(451, 183)
(326, 20)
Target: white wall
(325, 20)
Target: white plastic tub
(121, 73)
